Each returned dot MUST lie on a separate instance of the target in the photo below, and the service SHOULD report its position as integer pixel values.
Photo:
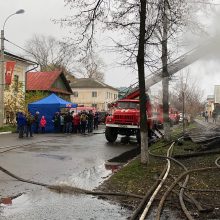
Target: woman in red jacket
(76, 123)
(43, 123)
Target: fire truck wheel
(111, 134)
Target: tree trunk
(141, 77)
(165, 81)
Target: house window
(75, 94)
(115, 96)
(94, 94)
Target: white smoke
(207, 69)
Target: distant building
(217, 98)
(92, 93)
(209, 106)
(52, 82)
(22, 65)
(217, 93)
(15, 69)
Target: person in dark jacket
(62, 129)
(96, 120)
(83, 122)
(68, 121)
(36, 122)
(214, 116)
(56, 122)
(21, 122)
(30, 121)
(90, 121)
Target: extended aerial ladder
(181, 62)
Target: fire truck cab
(125, 119)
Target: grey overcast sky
(37, 20)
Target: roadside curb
(6, 132)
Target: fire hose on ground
(188, 197)
(69, 189)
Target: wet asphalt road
(76, 160)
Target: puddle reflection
(48, 205)
(88, 178)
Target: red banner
(10, 65)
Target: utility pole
(2, 72)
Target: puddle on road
(47, 205)
(88, 178)
(94, 176)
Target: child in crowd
(43, 123)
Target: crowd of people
(76, 123)
(27, 124)
(212, 115)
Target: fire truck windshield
(128, 105)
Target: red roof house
(53, 81)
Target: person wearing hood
(43, 123)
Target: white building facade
(92, 93)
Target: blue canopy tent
(48, 107)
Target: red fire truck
(158, 120)
(125, 119)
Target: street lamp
(21, 11)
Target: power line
(22, 49)
(18, 46)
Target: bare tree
(164, 59)
(50, 53)
(91, 67)
(175, 16)
(187, 95)
(135, 21)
